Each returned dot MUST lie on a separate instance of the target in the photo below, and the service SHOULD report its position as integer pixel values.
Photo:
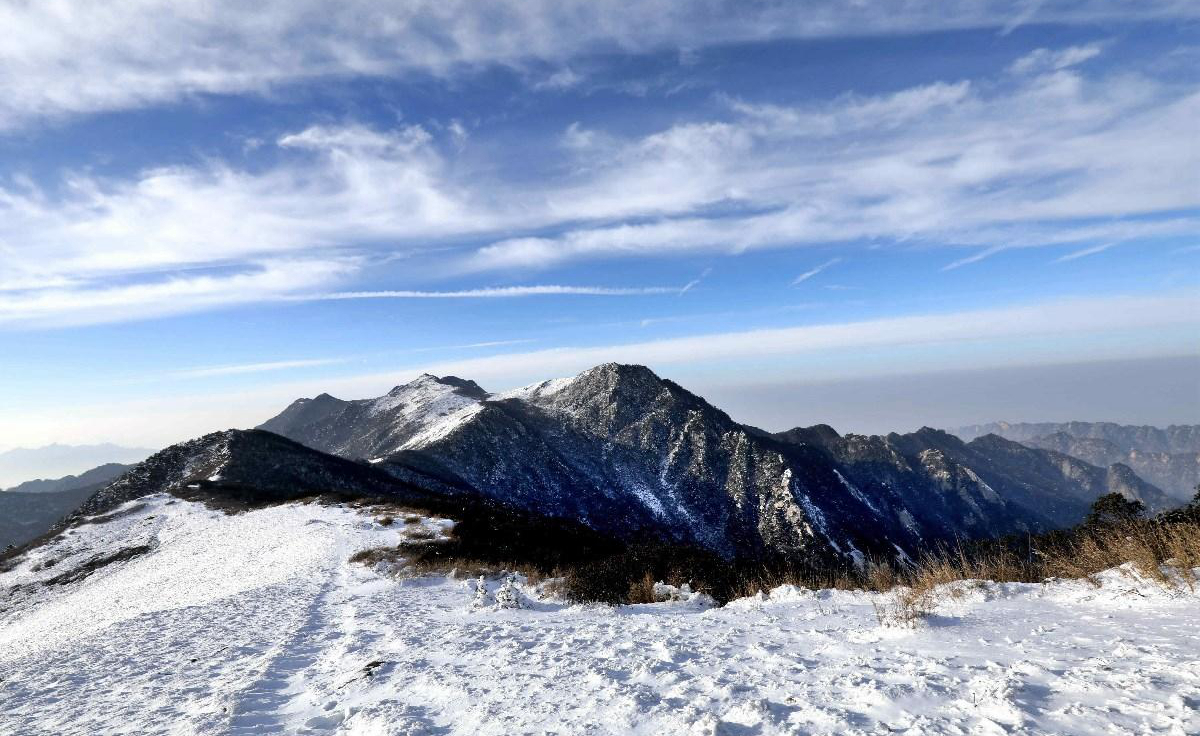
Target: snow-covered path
(257, 623)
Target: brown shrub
(641, 591)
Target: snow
(424, 396)
(441, 427)
(258, 623)
(854, 491)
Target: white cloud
(94, 304)
(1050, 60)
(992, 164)
(1068, 318)
(73, 57)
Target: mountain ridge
(621, 448)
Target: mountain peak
(461, 386)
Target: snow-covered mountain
(630, 453)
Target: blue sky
(206, 211)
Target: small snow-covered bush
(483, 599)
(509, 596)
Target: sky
(878, 215)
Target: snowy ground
(257, 623)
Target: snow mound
(170, 618)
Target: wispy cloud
(475, 345)
(815, 270)
(233, 370)
(1049, 60)
(1093, 250)
(695, 282)
(500, 292)
(125, 54)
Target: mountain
(54, 461)
(1168, 458)
(632, 454)
(32, 508)
(246, 468)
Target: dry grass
(412, 561)
(1163, 550)
(591, 568)
(1149, 546)
(386, 520)
(904, 607)
(642, 590)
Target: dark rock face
(1167, 458)
(251, 467)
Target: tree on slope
(1113, 508)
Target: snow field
(257, 623)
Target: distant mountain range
(1169, 458)
(633, 455)
(32, 508)
(54, 461)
